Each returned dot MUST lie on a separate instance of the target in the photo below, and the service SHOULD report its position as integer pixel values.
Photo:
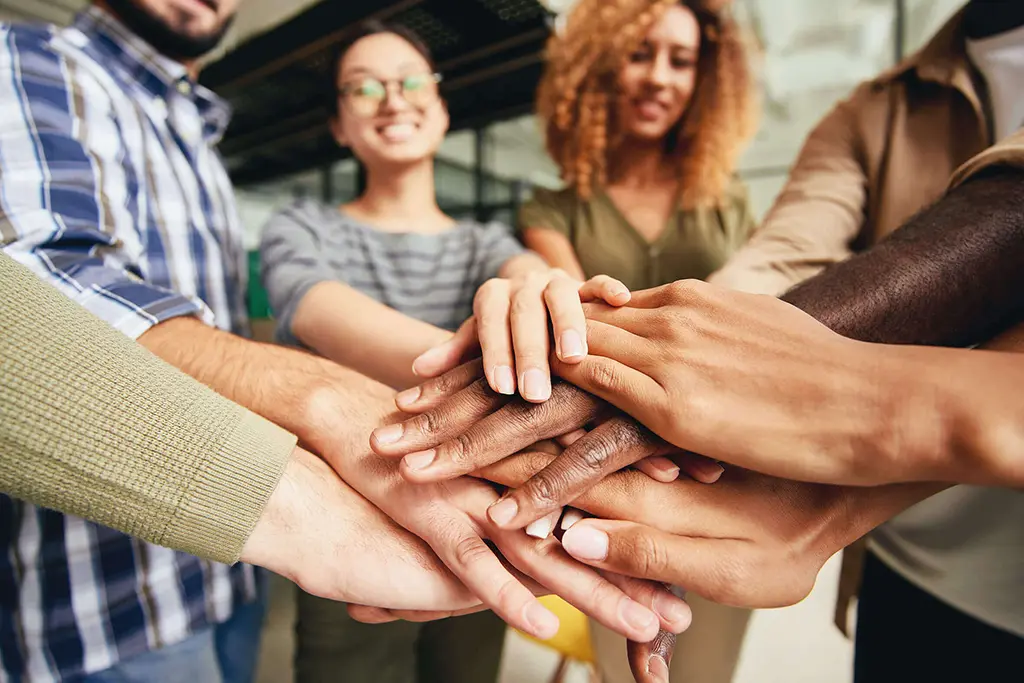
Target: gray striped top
(429, 277)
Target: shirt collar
(155, 74)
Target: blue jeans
(225, 653)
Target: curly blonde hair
(575, 96)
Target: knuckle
(684, 291)
(542, 491)
(430, 423)
(469, 551)
(593, 452)
(602, 374)
(459, 450)
(647, 556)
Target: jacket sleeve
(816, 217)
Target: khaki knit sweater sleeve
(94, 425)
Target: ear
(337, 130)
(447, 116)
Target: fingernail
(570, 518)
(666, 467)
(536, 385)
(572, 345)
(586, 543)
(657, 667)
(408, 397)
(707, 471)
(425, 357)
(542, 528)
(619, 291)
(420, 460)
(505, 380)
(543, 623)
(389, 434)
(672, 610)
(502, 512)
(638, 616)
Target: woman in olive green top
(647, 104)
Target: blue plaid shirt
(111, 190)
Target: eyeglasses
(366, 95)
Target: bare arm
(952, 276)
(555, 248)
(354, 330)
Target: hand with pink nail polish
(511, 319)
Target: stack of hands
(685, 430)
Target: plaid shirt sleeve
(70, 205)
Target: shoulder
(564, 200)
(553, 209)
(302, 214)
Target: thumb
(448, 355)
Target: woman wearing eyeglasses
(379, 281)
(375, 283)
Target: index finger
(618, 442)
(515, 426)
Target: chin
(652, 132)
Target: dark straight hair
(363, 30)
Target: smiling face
(181, 29)
(390, 113)
(656, 83)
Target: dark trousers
(905, 635)
(331, 647)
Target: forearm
(952, 276)
(93, 425)
(288, 387)
(523, 264)
(966, 408)
(356, 331)
(555, 249)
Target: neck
(191, 65)
(640, 164)
(400, 196)
(987, 18)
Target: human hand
(510, 326)
(751, 381)
(749, 541)
(451, 518)
(313, 533)
(463, 426)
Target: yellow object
(573, 637)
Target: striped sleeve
(69, 194)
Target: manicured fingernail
(673, 610)
(572, 345)
(707, 472)
(536, 385)
(543, 623)
(408, 397)
(504, 380)
(638, 616)
(586, 543)
(502, 512)
(543, 527)
(657, 667)
(420, 460)
(570, 518)
(389, 434)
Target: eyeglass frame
(435, 77)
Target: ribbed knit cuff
(229, 494)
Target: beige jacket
(879, 157)
(896, 145)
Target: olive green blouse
(694, 244)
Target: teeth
(398, 131)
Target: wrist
(271, 543)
